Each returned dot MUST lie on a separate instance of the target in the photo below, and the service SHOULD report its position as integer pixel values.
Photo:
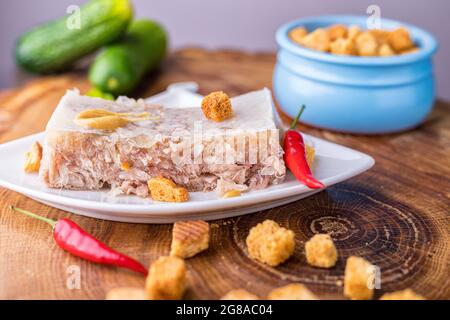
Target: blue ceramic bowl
(369, 95)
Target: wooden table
(396, 215)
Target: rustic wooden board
(396, 215)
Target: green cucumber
(54, 46)
(120, 67)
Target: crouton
(367, 45)
(269, 243)
(33, 158)
(353, 32)
(162, 189)
(298, 34)
(217, 106)
(239, 294)
(317, 40)
(166, 279)
(343, 47)
(294, 291)
(189, 238)
(320, 251)
(400, 40)
(337, 31)
(386, 51)
(382, 36)
(406, 294)
(357, 279)
(126, 293)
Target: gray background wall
(242, 24)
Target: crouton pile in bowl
(354, 79)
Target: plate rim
(171, 209)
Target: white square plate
(333, 164)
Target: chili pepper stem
(294, 123)
(33, 215)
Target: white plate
(333, 164)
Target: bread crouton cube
(126, 293)
(343, 47)
(406, 294)
(166, 279)
(359, 275)
(33, 158)
(269, 243)
(239, 294)
(386, 51)
(162, 189)
(189, 238)
(367, 45)
(293, 291)
(217, 106)
(320, 251)
(382, 36)
(297, 34)
(317, 40)
(337, 31)
(353, 32)
(400, 40)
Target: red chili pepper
(295, 156)
(69, 236)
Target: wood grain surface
(396, 215)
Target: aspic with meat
(93, 144)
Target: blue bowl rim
(428, 43)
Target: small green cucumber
(120, 67)
(56, 45)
